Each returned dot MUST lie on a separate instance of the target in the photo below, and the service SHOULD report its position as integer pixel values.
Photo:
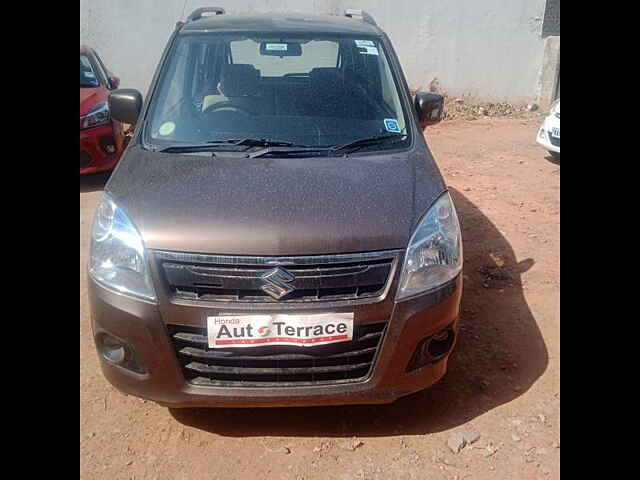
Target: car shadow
(500, 354)
(552, 159)
(94, 181)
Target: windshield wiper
(218, 145)
(302, 149)
(264, 142)
(273, 146)
(363, 142)
(288, 150)
(188, 148)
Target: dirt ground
(503, 381)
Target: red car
(100, 143)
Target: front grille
(555, 141)
(85, 159)
(316, 278)
(280, 365)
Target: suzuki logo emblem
(276, 283)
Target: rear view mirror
(277, 49)
(430, 108)
(125, 105)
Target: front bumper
(144, 326)
(95, 146)
(544, 137)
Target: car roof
(289, 23)
(86, 50)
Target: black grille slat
(332, 278)
(213, 355)
(276, 365)
(320, 379)
(214, 369)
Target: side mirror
(430, 108)
(114, 82)
(125, 105)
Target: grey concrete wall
(488, 49)
(549, 73)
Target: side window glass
(97, 68)
(102, 69)
(88, 76)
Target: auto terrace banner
(279, 329)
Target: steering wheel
(228, 105)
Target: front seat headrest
(239, 80)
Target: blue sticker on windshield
(391, 125)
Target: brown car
(277, 231)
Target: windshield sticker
(167, 128)
(89, 74)
(391, 124)
(364, 43)
(368, 50)
(278, 47)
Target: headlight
(434, 254)
(117, 258)
(99, 115)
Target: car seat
(239, 85)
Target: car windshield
(311, 90)
(88, 78)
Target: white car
(549, 133)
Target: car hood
(89, 97)
(275, 206)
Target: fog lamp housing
(432, 349)
(108, 144)
(118, 352)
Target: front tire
(555, 156)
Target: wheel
(555, 156)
